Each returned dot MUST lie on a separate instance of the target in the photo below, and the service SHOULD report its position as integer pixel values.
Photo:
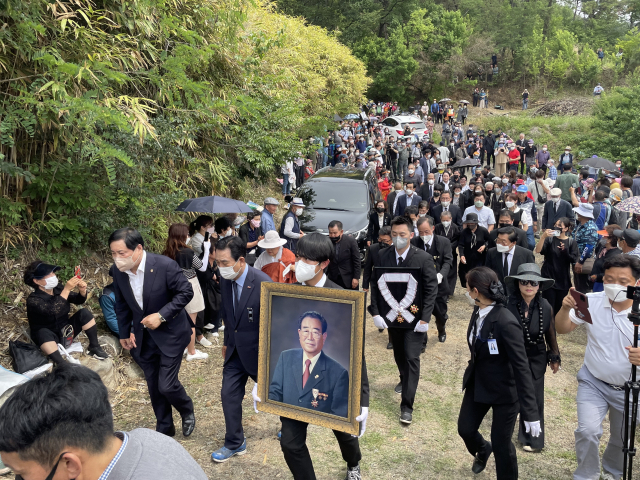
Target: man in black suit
(410, 198)
(150, 295)
(428, 187)
(451, 232)
(555, 209)
(440, 249)
(445, 205)
(506, 256)
(505, 219)
(240, 291)
(393, 196)
(345, 270)
(373, 256)
(407, 338)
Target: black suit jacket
(391, 198)
(415, 258)
(242, 326)
(440, 250)
(402, 204)
(521, 242)
(453, 235)
(503, 378)
(374, 226)
(550, 216)
(456, 214)
(346, 264)
(166, 291)
(425, 190)
(520, 256)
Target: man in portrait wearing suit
(150, 295)
(451, 232)
(506, 256)
(240, 291)
(440, 249)
(410, 198)
(345, 269)
(555, 209)
(407, 338)
(445, 205)
(307, 377)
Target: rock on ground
(105, 368)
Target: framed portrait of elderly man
(311, 353)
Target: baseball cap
(630, 236)
(522, 189)
(44, 269)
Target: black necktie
(400, 260)
(236, 295)
(474, 320)
(505, 266)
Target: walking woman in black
(539, 328)
(559, 251)
(497, 378)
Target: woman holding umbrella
(538, 326)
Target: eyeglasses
(315, 334)
(533, 283)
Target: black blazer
(347, 263)
(166, 291)
(456, 214)
(402, 204)
(415, 258)
(506, 377)
(521, 242)
(243, 233)
(374, 226)
(242, 327)
(453, 235)
(425, 190)
(373, 259)
(391, 198)
(441, 252)
(550, 216)
(520, 256)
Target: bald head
(397, 185)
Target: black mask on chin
(335, 239)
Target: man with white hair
(555, 209)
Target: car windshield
(389, 122)
(416, 125)
(335, 196)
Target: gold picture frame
(289, 300)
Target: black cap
(629, 235)
(471, 218)
(44, 269)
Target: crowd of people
(479, 225)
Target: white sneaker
(209, 326)
(197, 356)
(204, 342)
(215, 334)
(70, 359)
(185, 353)
(221, 328)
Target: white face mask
(226, 234)
(470, 299)
(411, 172)
(446, 223)
(509, 204)
(615, 292)
(426, 238)
(502, 248)
(409, 191)
(544, 149)
(445, 204)
(430, 182)
(422, 215)
(304, 271)
(228, 272)
(555, 199)
(505, 181)
(400, 242)
(51, 283)
(298, 212)
(566, 151)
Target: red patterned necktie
(305, 375)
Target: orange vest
(275, 269)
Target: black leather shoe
(170, 432)
(380, 330)
(442, 338)
(188, 424)
(478, 463)
(389, 346)
(406, 418)
(424, 349)
(398, 388)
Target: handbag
(26, 356)
(587, 266)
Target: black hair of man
(426, 218)
(316, 247)
(618, 261)
(626, 181)
(335, 223)
(478, 195)
(68, 407)
(411, 210)
(410, 183)
(446, 192)
(221, 224)
(566, 167)
(510, 231)
(313, 314)
(438, 188)
(599, 196)
(252, 215)
(397, 221)
(130, 236)
(237, 248)
(423, 204)
(384, 232)
(584, 173)
(540, 174)
(506, 213)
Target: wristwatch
(162, 319)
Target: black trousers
(54, 334)
(440, 312)
(490, 155)
(453, 275)
(234, 382)
(555, 297)
(296, 453)
(525, 438)
(407, 346)
(165, 389)
(504, 420)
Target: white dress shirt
(321, 282)
(314, 360)
(482, 314)
(403, 256)
(137, 280)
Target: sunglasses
(533, 283)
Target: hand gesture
(152, 321)
(463, 260)
(256, 398)
(555, 366)
(206, 245)
(569, 302)
(561, 246)
(578, 268)
(481, 249)
(571, 189)
(72, 283)
(354, 283)
(128, 343)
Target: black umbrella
(466, 162)
(213, 204)
(336, 118)
(598, 162)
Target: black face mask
(379, 209)
(335, 239)
(436, 194)
(384, 245)
(557, 229)
(503, 225)
(456, 177)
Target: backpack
(601, 215)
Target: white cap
(297, 201)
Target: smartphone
(77, 271)
(206, 236)
(554, 233)
(582, 310)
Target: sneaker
(215, 334)
(204, 342)
(224, 454)
(221, 328)
(398, 388)
(406, 418)
(97, 352)
(197, 356)
(353, 473)
(209, 326)
(75, 361)
(184, 354)
(529, 449)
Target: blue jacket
(328, 377)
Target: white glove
(379, 322)
(440, 277)
(256, 399)
(362, 418)
(534, 427)
(421, 327)
(206, 246)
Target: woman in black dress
(559, 251)
(538, 325)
